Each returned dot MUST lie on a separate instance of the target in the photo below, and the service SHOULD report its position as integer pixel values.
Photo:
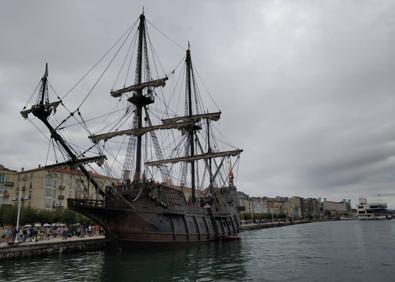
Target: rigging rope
(100, 77)
(132, 42)
(154, 54)
(91, 119)
(205, 88)
(130, 61)
(31, 96)
(167, 37)
(102, 74)
(128, 31)
(49, 147)
(42, 133)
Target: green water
(326, 251)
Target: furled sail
(49, 106)
(196, 157)
(97, 159)
(140, 86)
(194, 118)
(138, 131)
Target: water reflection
(75, 267)
(212, 261)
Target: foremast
(42, 110)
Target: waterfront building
(311, 208)
(372, 211)
(245, 202)
(45, 188)
(278, 206)
(332, 209)
(295, 208)
(7, 182)
(259, 205)
(280, 199)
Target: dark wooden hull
(148, 222)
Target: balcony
(6, 195)
(61, 187)
(60, 197)
(9, 183)
(23, 198)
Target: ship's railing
(85, 203)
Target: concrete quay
(53, 246)
(57, 245)
(255, 226)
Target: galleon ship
(176, 184)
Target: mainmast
(142, 96)
(191, 133)
(139, 105)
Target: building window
(48, 203)
(48, 192)
(50, 180)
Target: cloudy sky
(306, 87)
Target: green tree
(69, 217)
(9, 215)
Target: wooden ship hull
(164, 218)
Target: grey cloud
(306, 87)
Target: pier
(54, 246)
(57, 245)
(254, 226)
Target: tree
(69, 217)
(8, 215)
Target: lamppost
(18, 215)
(251, 212)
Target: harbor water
(322, 251)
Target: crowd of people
(37, 232)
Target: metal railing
(85, 203)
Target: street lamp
(18, 215)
